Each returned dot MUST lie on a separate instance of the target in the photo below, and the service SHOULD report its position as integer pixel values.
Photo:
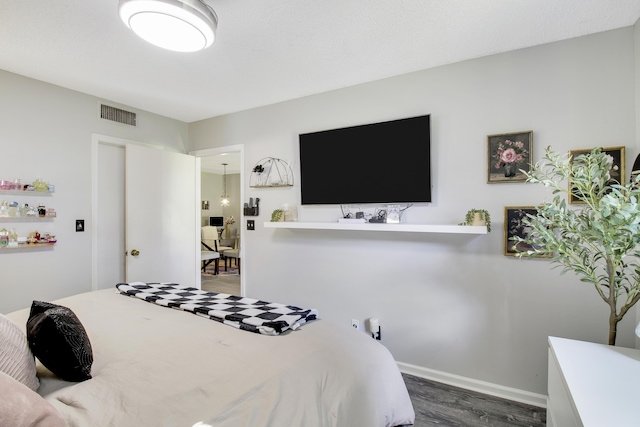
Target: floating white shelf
(399, 228)
(28, 246)
(27, 218)
(26, 193)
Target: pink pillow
(16, 359)
(22, 407)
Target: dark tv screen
(216, 221)
(386, 162)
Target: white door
(110, 216)
(162, 239)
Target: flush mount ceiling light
(179, 25)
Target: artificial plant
(598, 240)
(277, 215)
(484, 215)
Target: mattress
(156, 366)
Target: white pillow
(16, 359)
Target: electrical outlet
(251, 224)
(355, 323)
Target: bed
(156, 366)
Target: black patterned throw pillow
(58, 339)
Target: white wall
(450, 303)
(45, 131)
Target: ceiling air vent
(117, 115)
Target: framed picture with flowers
(514, 226)
(508, 155)
(617, 172)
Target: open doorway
(221, 178)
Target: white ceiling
(272, 51)
(214, 163)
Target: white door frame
(227, 149)
(97, 139)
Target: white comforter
(154, 366)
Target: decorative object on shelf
(277, 215)
(509, 154)
(290, 212)
(225, 198)
(271, 172)
(478, 217)
(617, 172)
(4, 238)
(10, 185)
(227, 229)
(258, 170)
(598, 242)
(40, 185)
(250, 209)
(393, 214)
(516, 231)
(13, 238)
(192, 23)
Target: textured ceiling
(272, 51)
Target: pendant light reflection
(225, 198)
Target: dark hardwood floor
(441, 405)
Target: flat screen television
(387, 162)
(216, 221)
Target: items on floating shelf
(15, 212)
(271, 172)
(277, 215)
(251, 209)
(478, 217)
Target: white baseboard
(509, 393)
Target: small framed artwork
(514, 226)
(508, 154)
(618, 172)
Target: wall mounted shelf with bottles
(271, 172)
(12, 211)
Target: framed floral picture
(508, 154)
(618, 172)
(514, 226)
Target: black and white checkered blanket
(248, 314)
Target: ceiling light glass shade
(179, 25)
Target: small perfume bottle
(13, 209)
(4, 209)
(4, 238)
(13, 238)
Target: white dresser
(592, 385)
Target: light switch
(251, 224)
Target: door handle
(135, 252)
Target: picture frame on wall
(514, 226)
(618, 172)
(507, 155)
